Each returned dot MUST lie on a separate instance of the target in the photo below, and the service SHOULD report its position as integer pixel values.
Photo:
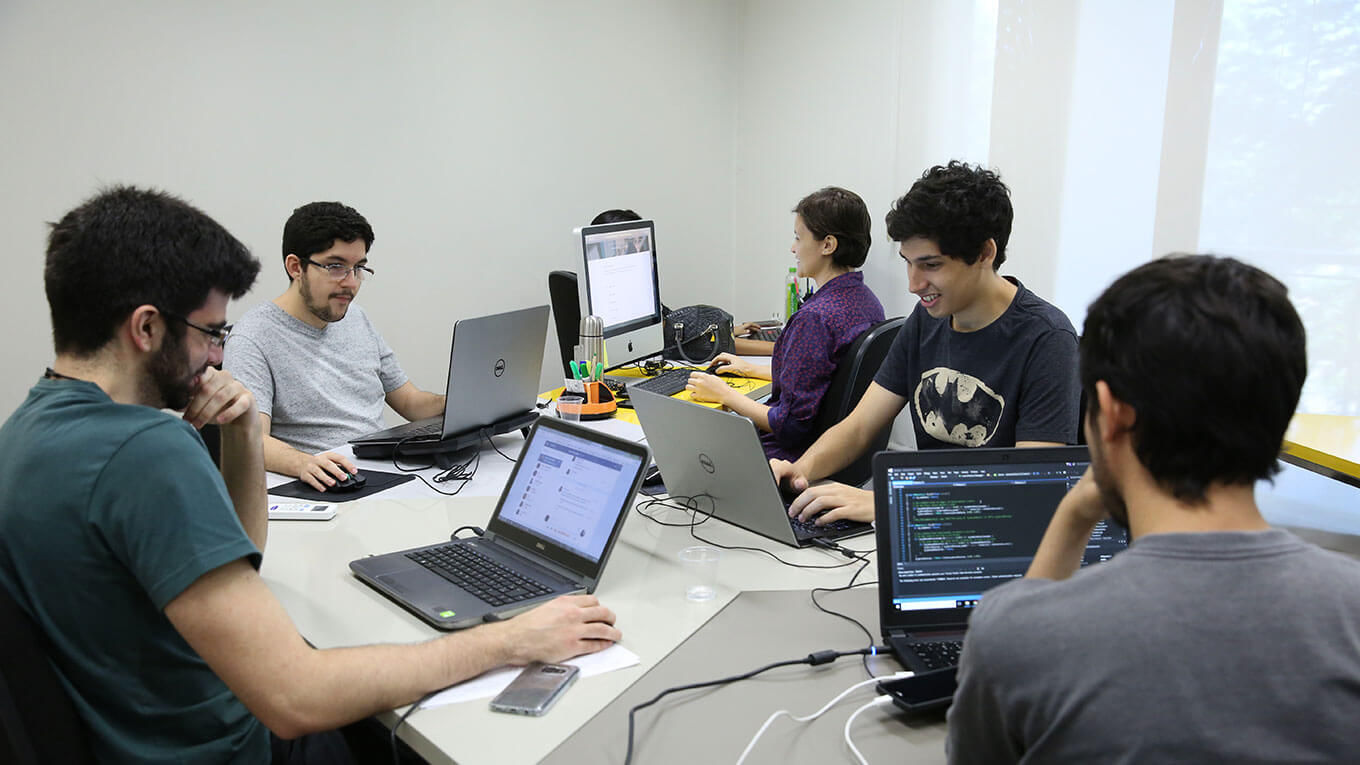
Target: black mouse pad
(377, 481)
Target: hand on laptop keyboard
(830, 501)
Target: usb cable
(818, 713)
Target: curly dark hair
(957, 206)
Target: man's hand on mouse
(323, 471)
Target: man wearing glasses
(318, 368)
(137, 560)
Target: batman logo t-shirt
(1013, 380)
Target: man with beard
(318, 368)
(1213, 638)
(138, 561)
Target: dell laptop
(494, 364)
(952, 524)
(716, 455)
(551, 533)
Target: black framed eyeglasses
(338, 271)
(217, 337)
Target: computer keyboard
(667, 383)
(478, 574)
(768, 335)
(938, 654)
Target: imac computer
(619, 284)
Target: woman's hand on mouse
(728, 364)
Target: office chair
(566, 309)
(38, 722)
(848, 383)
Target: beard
(172, 376)
(321, 309)
(1109, 488)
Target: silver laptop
(551, 534)
(494, 365)
(717, 456)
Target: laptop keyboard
(810, 527)
(428, 429)
(938, 654)
(667, 383)
(478, 574)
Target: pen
(574, 374)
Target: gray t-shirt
(1214, 647)
(320, 387)
(1013, 380)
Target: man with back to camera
(318, 369)
(981, 360)
(162, 631)
(1213, 638)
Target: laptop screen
(570, 490)
(957, 529)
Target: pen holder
(599, 405)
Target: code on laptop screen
(959, 531)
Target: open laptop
(717, 455)
(494, 364)
(952, 524)
(551, 533)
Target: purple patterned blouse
(805, 356)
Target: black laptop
(551, 534)
(953, 523)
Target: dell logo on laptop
(500, 367)
(706, 463)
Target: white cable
(816, 714)
(879, 701)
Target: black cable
(392, 741)
(691, 506)
(478, 530)
(864, 660)
(462, 471)
(812, 659)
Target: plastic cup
(701, 572)
(569, 406)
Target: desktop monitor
(619, 284)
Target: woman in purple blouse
(830, 240)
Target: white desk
(306, 566)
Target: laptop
(952, 524)
(494, 364)
(716, 455)
(551, 533)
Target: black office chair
(38, 722)
(566, 309)
(848, 383)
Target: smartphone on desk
(537, 687)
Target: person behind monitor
(317, 366)
(1214, 637)
(981, 360)
(831, 238)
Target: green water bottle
(792, 300)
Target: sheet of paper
(488, 684)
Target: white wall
(474, 137)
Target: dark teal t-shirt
(108, 512)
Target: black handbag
(697, 333)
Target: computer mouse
(353, 482)
(716, 367)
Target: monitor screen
(958, 531)
(619, 284)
